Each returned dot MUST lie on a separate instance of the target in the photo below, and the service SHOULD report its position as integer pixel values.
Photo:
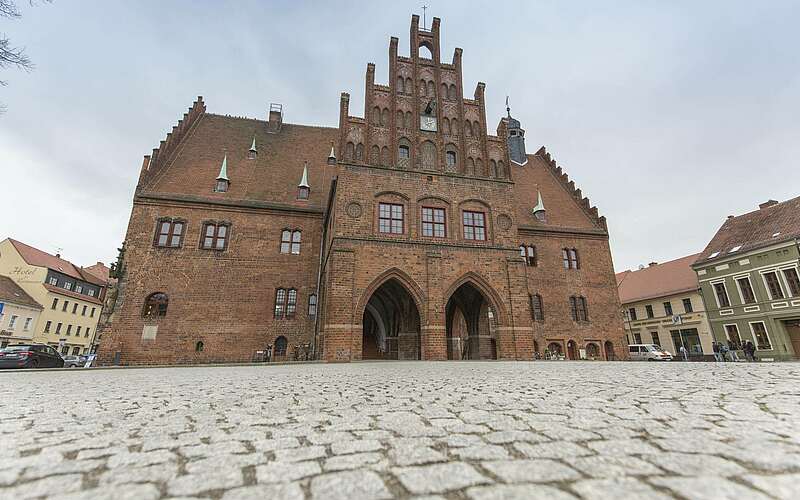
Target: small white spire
(332, 156)
(539, 204)
(253, 146)
(304, 180)
(223, 170)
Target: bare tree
(11, 56)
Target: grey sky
(669, 115)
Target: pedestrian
(715, 348)
(684, 353)
(732, 348)
(751, 351)
(723, 351)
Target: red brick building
(411, 233)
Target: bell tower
(515, 139)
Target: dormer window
(222, 186)
(252, 152)
(222, 183)
(303, 189)
(302, 193)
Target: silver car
(74, 361)
(648, 352)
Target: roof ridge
(218, 115)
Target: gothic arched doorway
(572, 350)
(391, 324)
(609, 348)
(471, 325)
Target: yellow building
(18, 314)
(71, 297)
(661, 304)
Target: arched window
(468, 129)
(409, 120)
(446, 125)
(501, 169)
(476, 129)
(409, 86)
(401, 84)
(312, 305)
(425, 51)
(155, 305)
(554, 348)
(199, 346)
(359, 152)
(399, 119)
(431, 89)
(404, 153)
(385, 117)
(280, 302)
(423, 88)
(492, 168)
(385, 161)
(280, 346)
(376, 115)
(470, 170)
(479, 167)
(349, 151)
(592, 350)
(537, 307)
(451, 159)
(290, 241)
(444, 91)
(454, 126)
(428, 151)
(374, 155)
(453, 93)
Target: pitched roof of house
(775, 223)
(99, 270)
(11, 292)
(36, 257)
(657, 280)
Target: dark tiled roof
(658, 280)
(760, 228)
(74, 295)
(11, 292)
(36, 257)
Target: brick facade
(406, 294)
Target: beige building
(661, 304)
(71, 297)
(18, 314)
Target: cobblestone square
(459, 430)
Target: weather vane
(508, 108)
(424, 18)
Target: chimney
(275, 118)
(652, 264)
(767, 204)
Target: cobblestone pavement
(466, 430)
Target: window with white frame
(27, 325)
(721, 294)
(732, 333)
(746, 292)
(53, 281)
(792, 280)
(759, 331)
(773, 285)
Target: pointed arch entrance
(391, 324)
(471, 324)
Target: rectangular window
(280, 301)
(12, 322)
(537, 307)
(55, 304)
(732, 332)
(312, 305)
(649, 309)
(169, 233)
(760, 335)
(667, 308)
(83, 312)
(291, 303)
(92, 313)
(64, 308)
(746, 289)
(474, 226)
(579, 309)
(528, 252)
(74, 308)
(87, 332)
(792, 280)
(91, 292)
(27, 324)
(215, 236)
(687, 305)
(47, 326)
(773, 285)
(78, 331)
(79, 289)
(632, 313)
(433, 222)
(722, 295)
(390, 218)
(53, 281)
(570, 258)
(637, 338)
(67, 285)
(69, 329)
(58, 329)
(656, 340)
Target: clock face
(427, 123)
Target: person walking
(715, 348)
(732, 348)
(750, 352)
(723, 351)
(684, 353)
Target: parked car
(648, 352)
(74, 361)
(30, 356)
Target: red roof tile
(99, 270)
(10, 292)
(36, 257)
(760, 228)
(658, 280)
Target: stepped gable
(270, 178)
(155, 162)
(583, 202)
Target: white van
(648, 352)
